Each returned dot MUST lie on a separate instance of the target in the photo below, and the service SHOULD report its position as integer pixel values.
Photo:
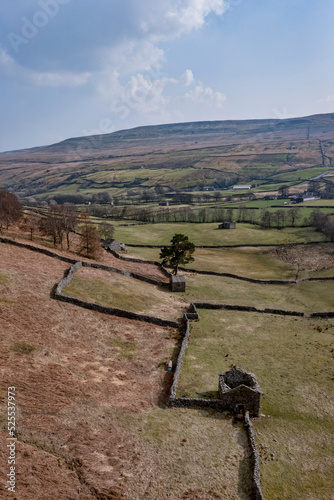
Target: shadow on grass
(53, 291)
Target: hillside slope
(175, 156)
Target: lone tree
(179, 252)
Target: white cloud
(205, 95)
(188, 77)
(146, 96)
(192, 15)
(139, 94)
(167, 20)
(131, 56)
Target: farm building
(114, 245)
(177, 283)
(228, 225)
(239, 391)
(242, 186)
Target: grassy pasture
(319, 203)
(195, 454)
(209, 234)
(251, 262)
(116, 290)
(304, 297)
(293, 361)
(299, 175)
(258, 263)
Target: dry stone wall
(329, 314)
(68, 278)
(255, 462)
(228, 307)
(43, 251)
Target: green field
(299, 175)
(293, 361)
(199, 452)
(255, 263)
(302, 297)
(209, 234)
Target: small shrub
(23, 348)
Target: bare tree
(10, 209)
(30, 224)
(106, 230)
(69, 220)
(50, 225)
(90, 243)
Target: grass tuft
(23, 348)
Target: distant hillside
(176, 156)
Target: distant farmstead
(228, 225)
(242, 186)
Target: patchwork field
(293, 361)
(185, 155)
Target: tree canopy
(179, 252)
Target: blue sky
(79, 67)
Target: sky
(70, 68)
